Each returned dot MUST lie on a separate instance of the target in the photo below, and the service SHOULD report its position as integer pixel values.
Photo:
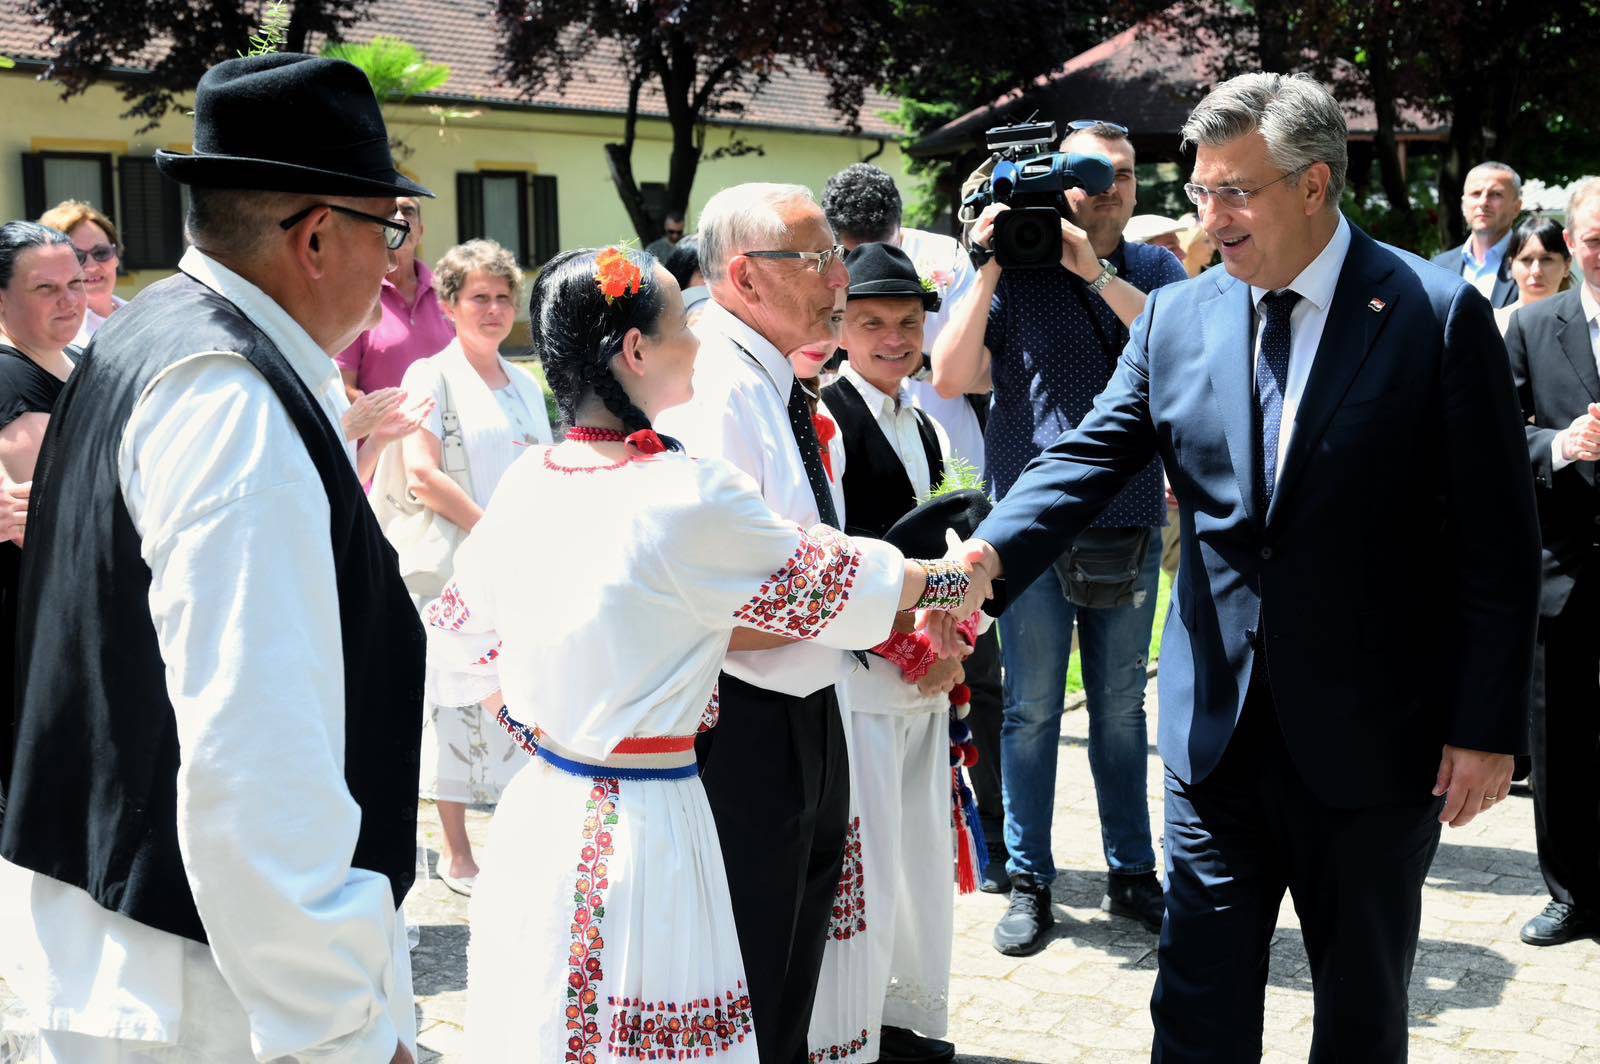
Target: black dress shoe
(996, 880)
(1559, 923)
(1137, 898)
(1020, 932)
(897, 1045)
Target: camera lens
(1028, 238)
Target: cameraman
(1047, 340)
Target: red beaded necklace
(591, 434)
(644, 442)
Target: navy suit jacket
(1393, 584)
(1505, 291)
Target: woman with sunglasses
(41, 307)
(100, 252)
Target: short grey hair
(744, 218)
(451, 272)
(1492, 167)
(1584, 191)
(236, 223)
(1297, 117)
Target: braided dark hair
(576, 332)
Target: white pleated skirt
(602, 929)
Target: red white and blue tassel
(970, 845)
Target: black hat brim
(266, 175)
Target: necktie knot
(1277, 306)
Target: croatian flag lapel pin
(1376, 305)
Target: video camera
(1033, 183)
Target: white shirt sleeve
(233, 521)
(1558, 461)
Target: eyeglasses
(99, 253)
(823, 259)
(1079, 125)
(395, 231)
(1237, 198)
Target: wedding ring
(1491, 797)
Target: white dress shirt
(740, 412)
(1591, 316)
(943, 260)
(896, 417)
(233, 523)
(1315, 285)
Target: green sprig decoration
(273, 32)
(959, 475)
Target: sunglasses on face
(821, 260)
(99, 253)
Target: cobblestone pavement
(1478, 993)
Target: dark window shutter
(546, 220)
(33, 203)
(152, 223)
(469, 207)
(522, 220)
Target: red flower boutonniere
(826, 431)
(617, 275)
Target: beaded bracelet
(947, 585)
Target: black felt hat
(883, 271)
(920, 533)
(289, 123)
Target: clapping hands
(384, 415)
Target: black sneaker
(897, 1045)
(995, 879)
(1559, 923)
(1136, 897)
(1021, 931)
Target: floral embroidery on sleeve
(801, 598)
(449, 611)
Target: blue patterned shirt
(1053, 346)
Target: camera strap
(1111, 345)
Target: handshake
(968, 570)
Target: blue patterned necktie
(1272, 379)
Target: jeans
(1035, 646)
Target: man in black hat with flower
(219, 708)
(894, 456)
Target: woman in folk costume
(486, 413)
(598, 595)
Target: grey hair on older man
(1297, 117)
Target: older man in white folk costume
(894, 455)
(214, 791)
(776, 767)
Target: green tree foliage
(1511, 81)
(171, 42)
(397, 69)
(703, 57)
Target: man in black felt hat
(219, 710)
(898, 709)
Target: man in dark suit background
(1491, 199)
(1347, 661)
(1554, 347)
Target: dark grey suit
(1553, 362)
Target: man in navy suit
(1347, 661)
(1491, 199)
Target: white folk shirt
(740, 413)
(233, 523)
(943, 260)
(880, 688)
(1591, 316)
(1315, 285)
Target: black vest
(93, 791)
(877, 491)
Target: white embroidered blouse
(600, 601)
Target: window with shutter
(152, 216)
(48, 177)
(546, 220)
(494, 204)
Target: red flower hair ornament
(617, 275)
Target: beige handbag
(425, 541)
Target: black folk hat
(289, 123)
(883, 271)
(921, 533)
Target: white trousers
(903, 794)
